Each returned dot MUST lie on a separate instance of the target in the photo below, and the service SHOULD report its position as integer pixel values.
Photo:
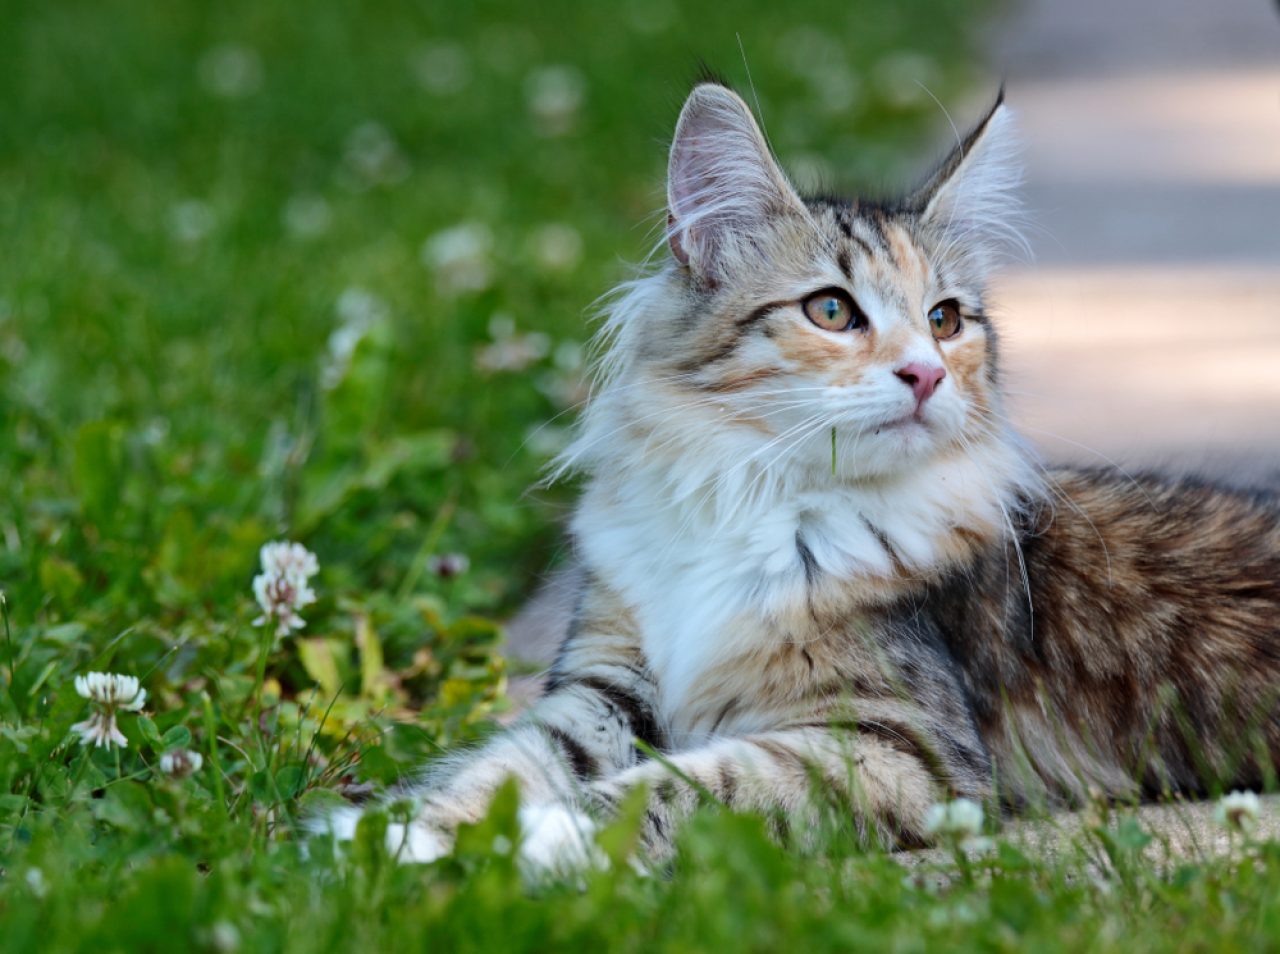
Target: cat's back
(1156, 540)
(1132, 631)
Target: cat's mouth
(905, 422)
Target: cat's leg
(579, 732)
(884, 782)
(600, 698)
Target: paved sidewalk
(1148, 327)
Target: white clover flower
(100, 730)
(460, 257)
(442, 68)
(358, 310)
(282, 588)
(555, 95)
(513, 354)
(223, 936)
(556, 247)
(359, 306)
(36, 882)
(1238, 811)
(191, 220)
(108, 693)
(510, 350)
(283, 557)
(567, 384)
(373, 157)
(231, 71)
(109, 689)
(958, 821)
(570, 355)
(307, 216)
(180, 763)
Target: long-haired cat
(819, 567)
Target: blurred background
(323, 271)
(1147, 331)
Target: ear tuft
(975, 190)
(722, 182)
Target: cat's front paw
(557, 840)
(409, 843)
(416, 843)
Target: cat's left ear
(723, 184)
(975, 190)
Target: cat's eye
(945, 320)
(833, 310)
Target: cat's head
(778, 319)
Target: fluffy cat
(821, 571)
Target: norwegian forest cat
(820, 569)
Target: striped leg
(787, 774)
(579, 732)
(600, 698)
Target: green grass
(320, 272)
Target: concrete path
(1148, 328)
(1180, 833)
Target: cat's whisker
(998, 427)
(1097, 453)
(579, 448)
(812, 427)
(572, 408)
(753, 460)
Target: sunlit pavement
(1172, 365)
(1147, 328)
(1181, 831)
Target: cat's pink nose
(923, 379)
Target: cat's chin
(888, 450)
(911, 439)
(908, 425)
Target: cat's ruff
(692, 564)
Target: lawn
(323, 273)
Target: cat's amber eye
(832, 310)
(945, 320)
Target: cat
(818, 566)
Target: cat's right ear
(722, 183)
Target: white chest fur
(709, 584)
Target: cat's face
(789, 319)
(855, 319)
